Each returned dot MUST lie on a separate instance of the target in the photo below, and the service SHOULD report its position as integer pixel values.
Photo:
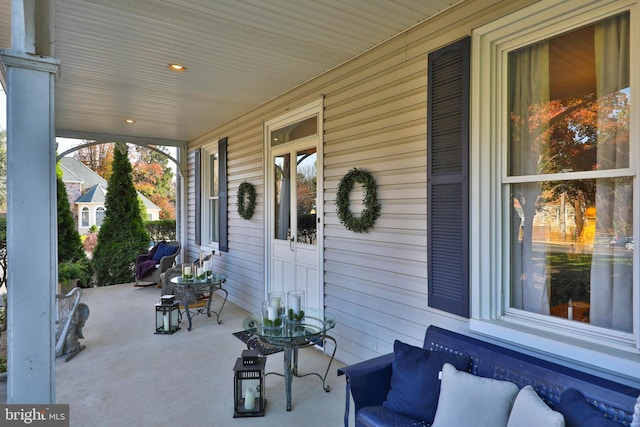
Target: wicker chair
(160, 265)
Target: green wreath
(246, 200)
(371, 210)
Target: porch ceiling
(238, 53)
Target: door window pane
(306, 196)
(301, 129)
(282, 195)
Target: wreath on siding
(371, 210)
(246, 200)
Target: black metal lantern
(248, 385)
(167, 313)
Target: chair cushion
(470, 400)
(578, 412)
(415, 383)
(531, 411)
(164, 250)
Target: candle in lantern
(165, 321)
(187, 269)
(200, 271)
(249, 399)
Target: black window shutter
(447, 178)
(198, 197)
(223, 244)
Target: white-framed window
(554, 165)
(84, 217)
(210, 182)
(99, 216)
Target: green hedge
(163, 229)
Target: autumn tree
(122, 236)
(98, 158)
(154, 178)
(570, 143)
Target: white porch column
(182, 196)
(31, 227)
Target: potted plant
(69, 273)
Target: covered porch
(155, 74)
(128, 375)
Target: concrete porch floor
(129, 376)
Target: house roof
(114, 57)
(95, 194)
(73, 170)
(92, 185)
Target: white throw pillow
(467, 400)
(636, 414)
(531, 411)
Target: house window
(554, 174)
(210, 194)
(85, 217)
(99, 216)
(568, 124)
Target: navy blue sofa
(369, 381)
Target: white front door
(294, 221)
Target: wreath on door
(246, 200)
(371, 211)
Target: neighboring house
(87, 190)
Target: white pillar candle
(187, 269)
(272, 312)
(200, 271)
(570, 310)
(249, 399)
(165, 321)
(294, 302)
(276, 302)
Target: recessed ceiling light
(129, 121)
(177, 67)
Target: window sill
(616, 364)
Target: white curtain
(530, 90)
(284, 198)
(612, 280)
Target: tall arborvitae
(69, 245)
(122, 236)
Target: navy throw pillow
(163, 250)
(578, 412)
(415, 386)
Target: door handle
(292, 240)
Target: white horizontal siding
(375, 118)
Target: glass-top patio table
(292, 336)
(191, 288)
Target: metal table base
(290, 350)
(201, 310)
